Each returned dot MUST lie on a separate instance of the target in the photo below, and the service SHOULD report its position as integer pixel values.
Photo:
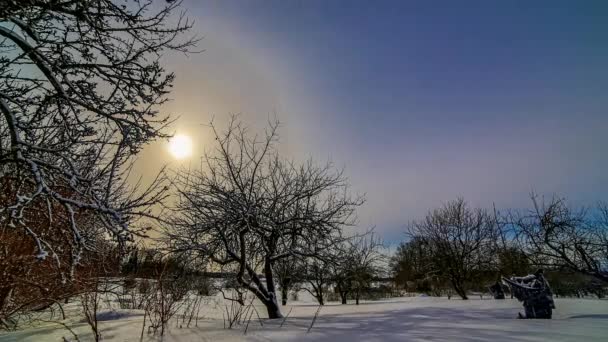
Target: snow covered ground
(399, 319)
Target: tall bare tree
(461, 240)
(248, 208)
(80, 87)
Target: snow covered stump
(534, 291)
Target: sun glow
(180, 146)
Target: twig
(314, 319)
(258, 314)
(143, 326)
(285, 318)
(247, 326)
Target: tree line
(458, 248)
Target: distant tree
(412, 261)
(364, 263)
(512, 261)
(567, 283)
(289, 274)
(248, 208)
(460, 240)
(555, 236)
(318, 278)
(341, 271)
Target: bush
(204, 286)
(144, 287)
(128, 284)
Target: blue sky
(420, 101)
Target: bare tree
(248, 208)
(412, 262)
(318, 277)
(355, 265)
(289, 274)
(511, 259)
(601, 236)
(90, 301)
(364, 263)
(164, 301)
(461, 240)
(80, 86)
(553, 235)
(341, 272)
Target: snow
(115, 315)
(399, 319)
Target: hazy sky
(422, 102)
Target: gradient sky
(421, 102)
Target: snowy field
(399, 319)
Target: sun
(180, 146)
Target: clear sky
(420, 101)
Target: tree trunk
(317, 287)
(343, 294)
(266, 294)
(320, 299)
(319, 295)
(357, 297)
(272, 306)
(459, 289)
(462, 294)
(273, 309)
(283, 297)
(5, 297)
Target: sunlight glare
(180, 146)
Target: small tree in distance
(461, 241)
(412, 263)
(365, 262)
(318, 278)
(289, 274)
(355, 265)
